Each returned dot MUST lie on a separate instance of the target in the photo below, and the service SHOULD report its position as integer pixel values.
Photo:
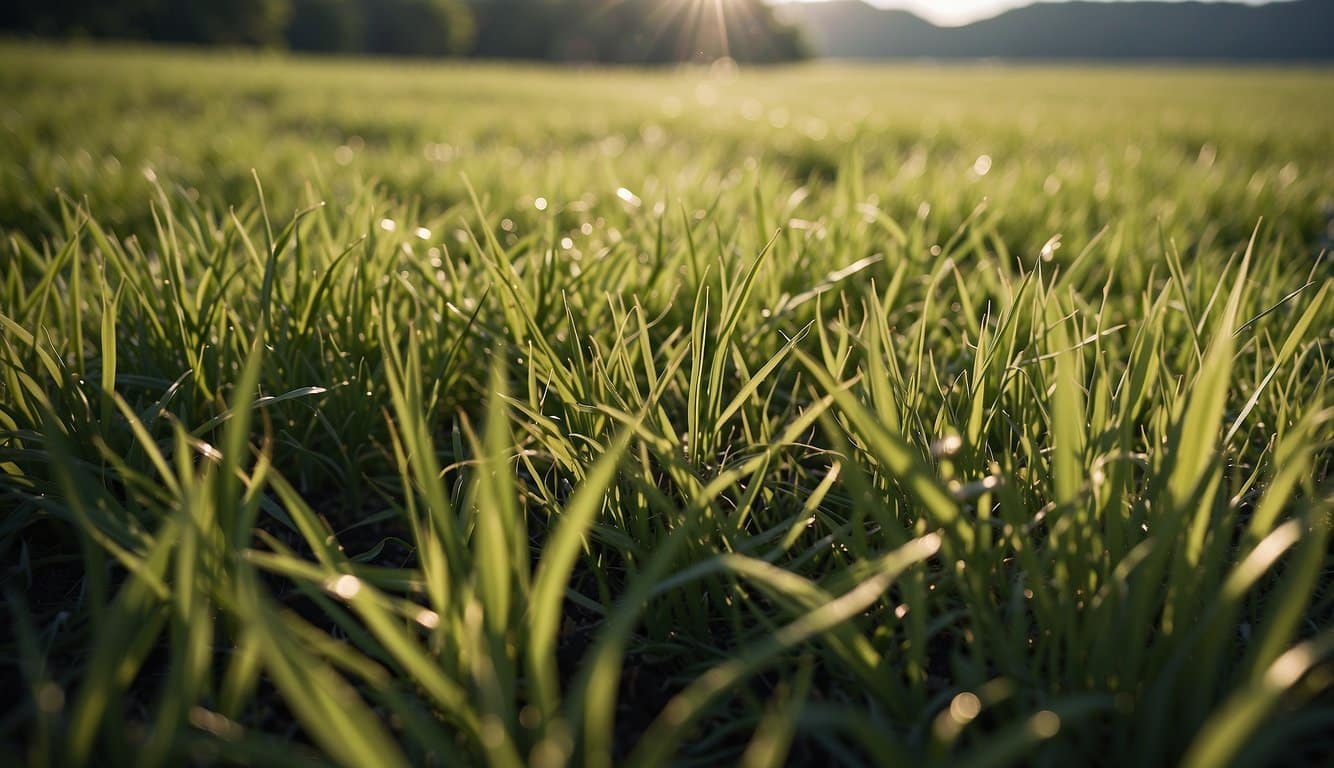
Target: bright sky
(964, 11)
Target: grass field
(384, 414)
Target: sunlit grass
(488, 415)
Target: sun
(701, 31)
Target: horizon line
(960, 14)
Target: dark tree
(79, 18)
(327, 26)
(225, 22)
(518, 29)
(220, 22)
(417, 27)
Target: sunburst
(696, 30)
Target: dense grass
(970, 415)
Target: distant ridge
(1296, 30)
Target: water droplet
(1045, 724)
(965, 707)
(1051, 247)
(628, 196)
(346, 586)
(1287, 175)
(50, 698)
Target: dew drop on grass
(1050, 248)
(982, 166)
(50, 698)
(540, 203)
(493, 732)
(628, 196)
(388, 225)
(947, 446)
(652, 134)
(530, 717)
(422, 233)
(346, 586)
(965, 707)
(815, 129)
(439, 153)
(1045, 724)
(1287, 175)
(547, 753)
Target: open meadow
(380, 413)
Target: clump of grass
(777, 471)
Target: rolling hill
(1293, 30)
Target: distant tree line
(629, 31)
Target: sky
(953, 12)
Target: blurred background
(643, 31)
(667, 31)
